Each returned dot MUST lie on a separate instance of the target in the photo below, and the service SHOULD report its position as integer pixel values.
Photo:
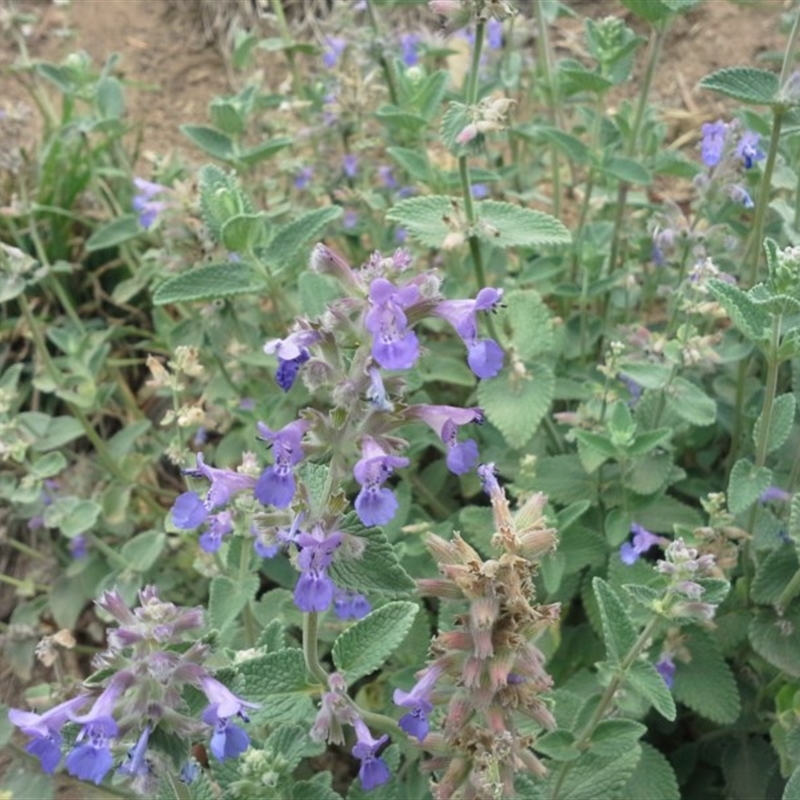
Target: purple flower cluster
(150, 666)
(643, 540)
(145, 203)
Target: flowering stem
(753, 249)
(26, 585)
(788, 53)
(386, 63)
(250, 634)
(288, 40)
(310, 648)
(607, 698)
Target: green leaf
(746, 485)
(221, 198)
(428, 97)
(792, 789)
(72, 515)
(454, 120)
(562, 478)
(571, 146)
(645, 442)
(650, 376)
(263, 151)
(627, 170)
(705, 682)
(279, 683)
(653, 778)
(747, 84)
(594, 777)
(227, 598)
(291, 744)
(780, 423)
(644, 679)
(749, 764)
(752, 320)
(776, 637)
(242, 232)
(210, 282)
(515, 403)
(271, 639)
(425, 218)
(378, 569)
(508, 225)
(649, 10)
(558, 745)
(365, 646)
(59, 431)
(530, 322)
(291, 240)
(209, 140)
(613, 737)
(773, 575)
(691, 403)
(619, 633)
(110, 98)
(414, 162)
(143, 550)
(594, 449)
(114, 233)
(47, 466)
(573, 78)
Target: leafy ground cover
(423, 425)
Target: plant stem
(606, 699)
(788, 53)
(311, 648)
(385, 61)
(18, 584)
(288, 39)
(247, 612)
(753, 249)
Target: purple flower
(635, 389)
(740, 195)
(144, 203)
(484, 356)
(494, 34)
(409, 43)
(135, 765)
(350, 219)
(228, 740)
(45, 730)
(315, 589)
(291, 352)
(276, 486)
(487, 474)
(665, 667)
(386, 174)
(376, 394)
(350, 605)
(394, 345)
(374, 771)
(445, 421)
(218, 526)
(92, 760)
(375, 505)
(303, 177)
(415, 723)
(189, 510)
(713, 144)
(775, 493)
(334, 47)
(78, 547)
(643, 540)
(747, 149)
(350, 165)
(479, 190)
(224, 701)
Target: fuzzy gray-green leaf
(747, 84)
(780, 423)
(508, 225)
(618, 631)
(425, 218)
(209, 282)
(365, 646)
(747, 482)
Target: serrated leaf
(573, 77)
(773, 574)
(317, 788)
(210, 282)
(649, 10)
(643, 443)
(653, 778)
(424, 218)
(454, 120)
(242, 232)
(291, 240)
(780, 423)
(562, 478)
(291, 744)
(378, 569)
(691, 403)
(72, 515)
(748, 763)
(558, 745)
(114, 233)
(619, 633)
(508, 225)
(595, 777)
(365, 646)
(792, 789)
(515, 403)
(279, 683)
(600, 447)
(574, 148)
(227, 598)
(752, 320)
(746, 485)
(612, 737)
(272, 638)
(530, 322)
(777, 637)
(705, 682)
(644, 679)
(209, 140)
(747, 84)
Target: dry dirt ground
(171, 72)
